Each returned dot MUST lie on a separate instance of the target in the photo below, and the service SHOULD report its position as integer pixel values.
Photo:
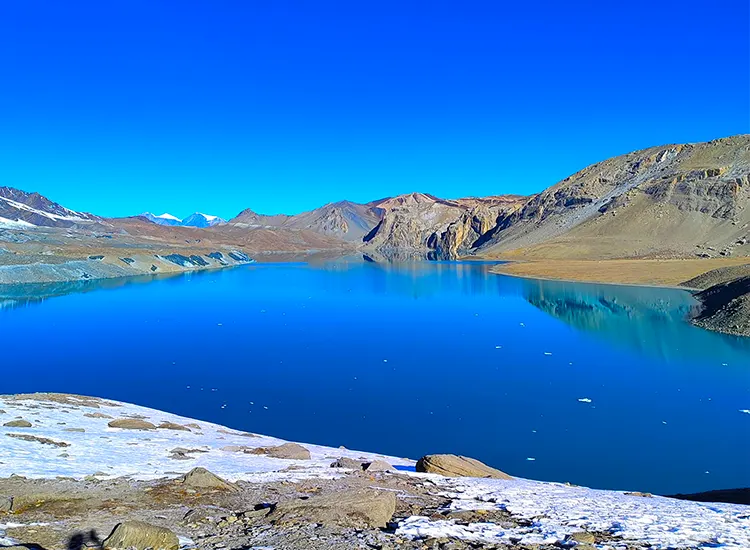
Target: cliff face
(446, 228)
(674, 200)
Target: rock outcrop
(458, 466)
(725, 307)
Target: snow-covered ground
(115, 452)
(554, 510)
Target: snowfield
(70, 437)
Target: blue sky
(123, 106)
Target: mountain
(19, 209)
(668, 201)
(163, 219)
(202, 220)
(448, 228)
(194, 220)
(345, 220)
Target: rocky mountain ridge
(673, 201)
(20, 209)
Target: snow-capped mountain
(19, 210)
(194, 220)
(163, 219)
(202, 220)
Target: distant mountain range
(194, 220)
(667, 201)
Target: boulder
(131, 424)
(20, 423)
(377, 466)
(357, 508)
(457, 466)
(200, 478)
(292, 451)
(345, 462)
(141, 536)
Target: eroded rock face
(446, 228)
(457, 466)
(141, 536)
(356, 508)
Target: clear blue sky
(122, 106)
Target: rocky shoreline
(81, 472)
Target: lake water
(409, 359)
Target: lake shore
(73, 467)
(638, 272)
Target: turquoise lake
(599, 385)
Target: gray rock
(131, 424)
(292, 451)
(457, 466)
(345, 462)
(200, 478)
(173, 426)
(358, 508)
(21, 423)
(582, 537)
(6, 504)
(377, 466)
(141, 536)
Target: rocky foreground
(81, 472)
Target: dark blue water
(410, 359)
